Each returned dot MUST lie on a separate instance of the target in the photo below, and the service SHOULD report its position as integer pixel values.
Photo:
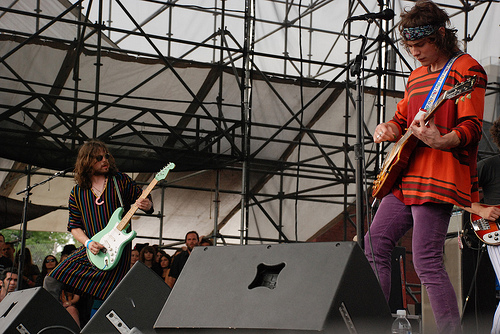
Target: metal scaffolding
(234, 139)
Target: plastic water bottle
(401, 325)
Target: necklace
(98, 192)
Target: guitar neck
(404, 139)
(436, 105)
(133, 208)
(428, 114)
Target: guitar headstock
(461, 88)
(164, 172)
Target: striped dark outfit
(77, 271)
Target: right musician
(489, 180)
(442, 170)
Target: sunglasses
(50, 260)
(99, 157)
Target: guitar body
(390, 173)
(486, 230)
(113, 240)
(397, 160)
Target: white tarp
(193, 209)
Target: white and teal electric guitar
(114, 237)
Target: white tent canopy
(181, 106)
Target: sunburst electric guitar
(486, 230)
(398, 157)
(114, 237)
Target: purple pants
(430, 225)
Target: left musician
(91, 203)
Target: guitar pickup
(484, 224)
(481, 225)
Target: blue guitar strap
(438, 85)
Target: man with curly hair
(489, 180)
(441, 172)
(92, 201)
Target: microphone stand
(357, 70)
(24, 220)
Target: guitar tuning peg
(462, 98)
(456, 101)
(469, 96)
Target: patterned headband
(415, 33)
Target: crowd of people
(9, 264)
(166, 266)
(154, 257)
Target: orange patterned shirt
(443, 176)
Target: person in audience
(147, 256)
(205, 241)
(177, 252)
(9, 251)
(67, 251)
(69, 300)
(8, 281)
(4, 261)
(165, 266)
(30, 270)
(159, 253)
(134, 257)
(49, 263)
(191, 239)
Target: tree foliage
(40, 244)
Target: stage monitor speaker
(304, 287)
(32, 311)
(133, 305)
